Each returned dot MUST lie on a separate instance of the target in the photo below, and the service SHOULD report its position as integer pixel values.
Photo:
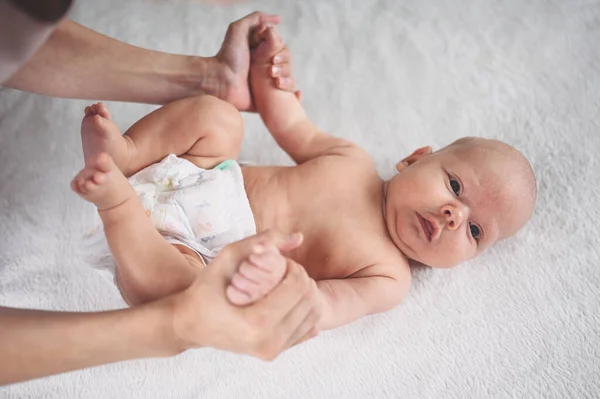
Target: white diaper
(202, 209)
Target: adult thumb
(292, 241)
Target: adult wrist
(204, 75)
(168, 340)
(182, 327)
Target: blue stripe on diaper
(224, 165)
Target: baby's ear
(412, 158)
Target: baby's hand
(269, 49)
(257, 275)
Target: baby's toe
(89, 185)
(77, 185)
(104, 162)
(103, 111)
(98, 177)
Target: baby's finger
(236, 296)
(285, 83)
(268, 259)
(243, 284)
(283, 70)
(283, 56)
(257, 274)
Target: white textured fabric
(521, 321)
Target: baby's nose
(453, 215)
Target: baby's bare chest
(340, 213)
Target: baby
(167, 221)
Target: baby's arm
(280, 110)
(373, 290)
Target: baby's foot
(102, 183)
(257, 275)
(99, 134)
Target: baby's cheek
(453, 252)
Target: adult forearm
(39, 343)
(77, 62)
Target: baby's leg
(203, 129)
(148, 267)
(100, 134)
(257, 275)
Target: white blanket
(521, 321)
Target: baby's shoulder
(351, 163)
(344, 155)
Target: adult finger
(293, 289)
(299, 324)
(290, 310)
(243, 25)
(308, 328)
(292, 241)
(313, 332)
(240, 30)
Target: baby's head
(446, 207)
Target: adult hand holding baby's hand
(233, 61)
(286, 316)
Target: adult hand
(233, 59)
(286, 316)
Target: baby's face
(449, 206)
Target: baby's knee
(219, 117)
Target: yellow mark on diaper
(168, 183)
(148, 213)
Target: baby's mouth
(427, 226)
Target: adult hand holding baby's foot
(261, 271)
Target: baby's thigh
(191, 257)
(219, 128)
(153, 280)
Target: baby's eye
(475, 232)
(455, 185)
